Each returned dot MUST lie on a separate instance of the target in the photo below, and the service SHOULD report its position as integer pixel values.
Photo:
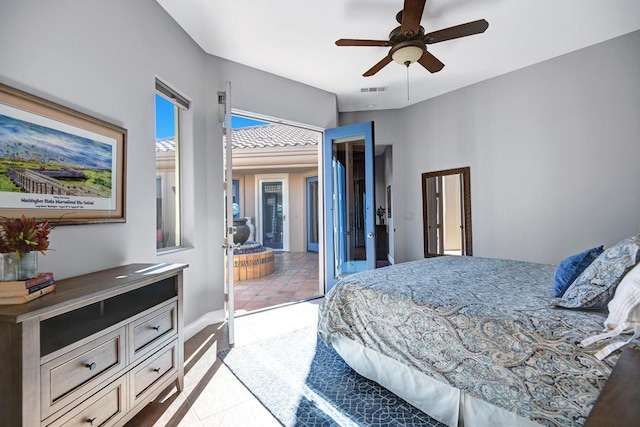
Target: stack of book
(22, 291)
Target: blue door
(349, 204)
(312, 214)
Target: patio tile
(295, 277)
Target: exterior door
(272, 215)
(312, 214)
(224, 99)
(272, 198)
(349, 201)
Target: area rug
(302, 382)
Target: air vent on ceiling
(374, 89)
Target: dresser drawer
(159, 367)
(79, 370)
(103, 409)
(151, 330)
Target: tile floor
(295, 278)
(212, 395)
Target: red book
(18, 285)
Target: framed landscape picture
(57, 163)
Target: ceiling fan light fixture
(409, 41)
(407, 54)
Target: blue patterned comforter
(484, 326)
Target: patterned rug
(302, 382)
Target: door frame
(364, 131)
(224, 103)
(322, 191)
(276, 177)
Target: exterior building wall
(297, 203)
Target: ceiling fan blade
(379, 66)
(462, 30)
(430, 62)
(357, 42)
(411, 15)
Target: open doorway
(273, 164)
(384, 185)
(313, 214)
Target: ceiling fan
(409, 42)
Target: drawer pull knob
(156, 370)
(91, 420)
(156, 328)
(91, 366)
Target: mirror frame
(466, 200)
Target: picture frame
(388, 201)
(59, 164)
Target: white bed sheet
(442, 402)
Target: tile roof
(271, 135)
(274, 135)
(165, 144)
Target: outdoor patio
(295, 278)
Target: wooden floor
(212, 395)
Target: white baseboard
(203, 321)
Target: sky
(238, 122)
(165, 127)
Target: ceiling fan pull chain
(407, 81)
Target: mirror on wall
(446, 204)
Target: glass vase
(28, 266)
(8, 267)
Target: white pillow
(624, 314)
(624, 308)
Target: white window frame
(183, 104)
(259, 180)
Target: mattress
(483, 327)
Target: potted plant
(380, 212)
(20, 241)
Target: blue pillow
(596, 286)
(570, 268)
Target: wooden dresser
(619, 401)
(95, 351)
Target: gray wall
(101, 58)
(553, 150)
(271, 95)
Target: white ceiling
(295, 39)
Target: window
(168, 207)
(236, 198)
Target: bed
(470, 341)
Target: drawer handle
(91, 420)
(91, 366)
(156, 370)
(156, 328)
